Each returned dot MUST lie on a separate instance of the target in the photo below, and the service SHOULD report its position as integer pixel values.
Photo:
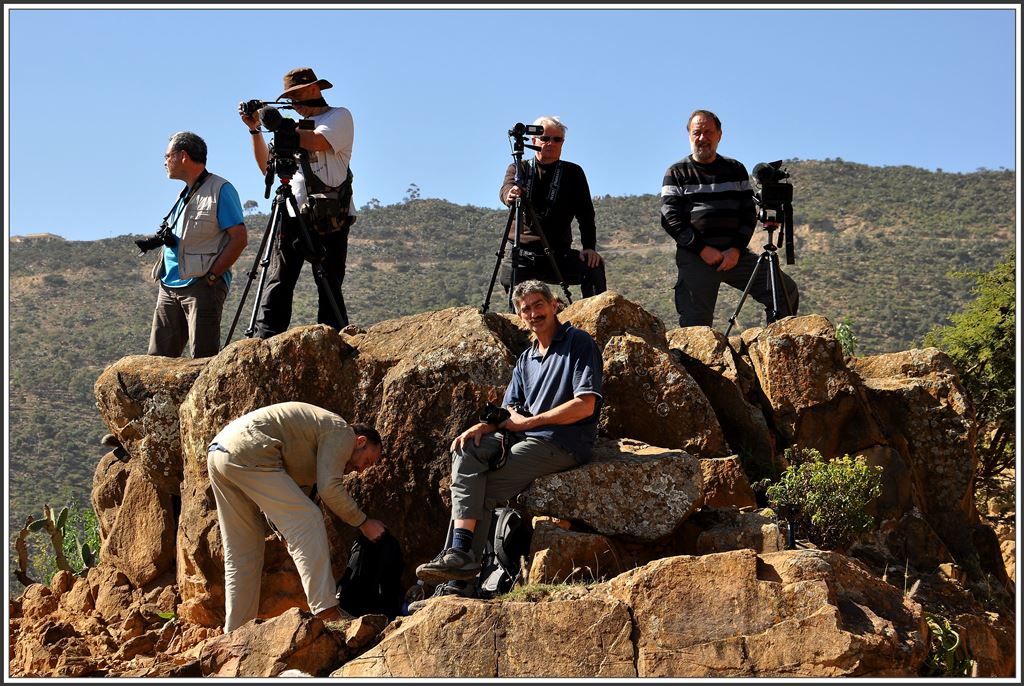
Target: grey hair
(526, 288)
(551, 120)
(192, 144)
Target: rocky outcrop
(709, 592)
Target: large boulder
(141, 540)
(261, 649)
(608, 315)
(816, 402)
(628, 489)
(138, 398)
(558, 555)
(785, 614)
(928, 417)
(459, 638)
(652, 398)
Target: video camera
(284, 148)
(775, 199)
(520, 130)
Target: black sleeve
(585, 214)
(675, 214)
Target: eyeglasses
(551, 139)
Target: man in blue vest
(549, 425)
(194, 273)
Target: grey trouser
(697, 287)
(241, 493)
(188, 314)
(476, 491)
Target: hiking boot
(451, 564)
(442, 590)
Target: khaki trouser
(241, 493)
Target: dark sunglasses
(555, 139)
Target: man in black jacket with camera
(558, 192)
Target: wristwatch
(211, 278)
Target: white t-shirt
(330, 167)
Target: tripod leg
(535, 223)
(274, 233)
(252, 274)
(777, 283)
(497, 263)
(746, 291)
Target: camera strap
(189, 191)
(556, 180)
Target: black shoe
(455, 588)
(450, 564)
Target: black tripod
(515, 218)
(312, 250)
(769, 256)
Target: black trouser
(575, 271)
(285, 266)
(696, 291)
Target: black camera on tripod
(163, 236)
(775, 201)
(285, 145)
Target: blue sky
(93, 95)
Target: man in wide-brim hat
(322, 187)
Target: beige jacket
(311, 444)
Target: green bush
(826, 499)
(947, 654)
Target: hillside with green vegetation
(874, 247)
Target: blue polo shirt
(570, 368)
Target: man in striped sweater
(707, 207)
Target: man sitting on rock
(549, 424)
(262, 461)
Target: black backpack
(372, 582)
(508, 544)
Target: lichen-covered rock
(629, 489)
(138, 398)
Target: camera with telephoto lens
(775, 201)
(164, 236)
